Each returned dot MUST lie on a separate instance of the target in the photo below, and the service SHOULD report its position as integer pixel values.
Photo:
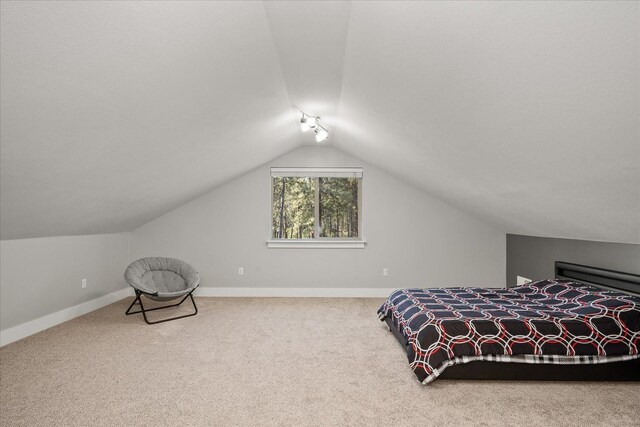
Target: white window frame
(318, 242)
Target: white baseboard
(23, 330)
(16, 333)
(294, 292)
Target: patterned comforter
(548, 321)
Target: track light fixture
(313, 122)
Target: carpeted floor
(267, 361)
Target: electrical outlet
(84, 283)
(240, 271)
(385, 272)
(522, 281)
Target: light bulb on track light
(307, 122)
(321, 134)
(304, 123)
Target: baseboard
(16, 333)
(294, 292)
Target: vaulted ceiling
(524, 113)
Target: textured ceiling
(526, 114)
(310, 39)
(114, 113)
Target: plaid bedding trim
(531, 359)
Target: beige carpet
(267, 361)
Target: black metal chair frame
(144, 311)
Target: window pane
(292, 213)
(338, 207)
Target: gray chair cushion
(162, 278)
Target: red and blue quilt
(545, 321)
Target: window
(316, 207)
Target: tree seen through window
(296, 216)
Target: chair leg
(137, 298)
(144, 311)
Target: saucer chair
(161, 279)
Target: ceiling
(526, 114)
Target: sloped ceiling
(526, 114)
(114, 113)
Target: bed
(582, 325)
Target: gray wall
(534, 257)
(42, 276)
(422, 240)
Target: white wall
(42, 276)
(422, 240)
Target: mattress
(548, 321)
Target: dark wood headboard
(608, 279)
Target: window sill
(316, 244)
